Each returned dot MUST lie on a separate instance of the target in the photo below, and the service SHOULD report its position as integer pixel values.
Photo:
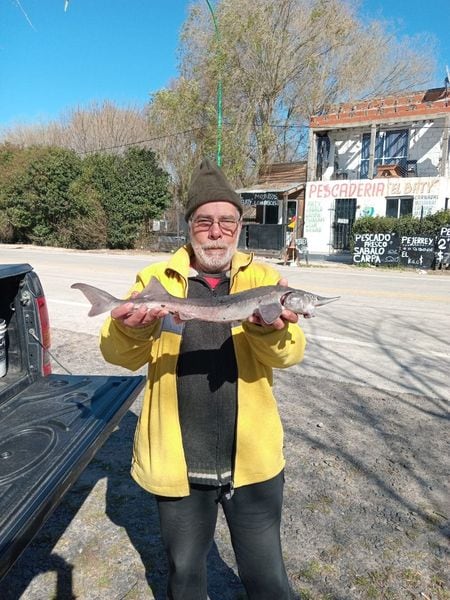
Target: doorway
(344, 217)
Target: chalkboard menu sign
(443, 247)
(302, 244)
(417, 251)
(376, 249)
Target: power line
(179, 133)
(194, 129)
(171, 135)
(126, 144)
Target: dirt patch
(366, 510)
(365, 513)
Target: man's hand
(286, 315)
(131, 316)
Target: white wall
(371, 194)
(425, 141)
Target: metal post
(219, 90)
(443, 168)
(373, 135)
(312, 156)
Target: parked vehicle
(50, 425)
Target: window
(291, 209)
(399, 207)
(323, 154)
(391, 148)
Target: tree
(93, 128)
(280, 62)
(51, 196)
(37, 197)
(132, 189)
(180, 126)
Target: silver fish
(267, 301)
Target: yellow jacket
(159, 464)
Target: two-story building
(382, 157)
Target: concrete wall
(425, 146)
(429, 193)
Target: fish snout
(321, 300)
(305, 303)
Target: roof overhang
(278, 188)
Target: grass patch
(376, 585)
(307, 594)
(312, 570)
(438, 589)
(411, 577)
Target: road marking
(350, 342)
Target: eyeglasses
(228, 225)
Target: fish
(267, 301)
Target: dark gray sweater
(207, 393)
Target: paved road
(389, 330)
(366, 487)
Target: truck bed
(48, 434)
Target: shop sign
(259, 199)
(372, 188)
(376, 248)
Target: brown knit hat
(209, 184)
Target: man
(209, 431)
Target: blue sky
(122, 50)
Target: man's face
(214, 230)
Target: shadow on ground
(133, 513)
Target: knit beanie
(209, 184)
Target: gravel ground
(365, 514)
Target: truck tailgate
(48, 434)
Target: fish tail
(101, 301)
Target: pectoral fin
(270, 312)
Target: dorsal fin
(155, 289)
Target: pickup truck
(50, 425)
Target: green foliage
(6, 229)
(132, 189)
(87, 230)
(407, 225)
(433, 223)
(374, 225)
(51, 196)
(36, 193)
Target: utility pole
(219, 89)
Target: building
(271, 203)
(383, 157)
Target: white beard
(213, 262)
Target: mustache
(214, 246)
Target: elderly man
(209, 431)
